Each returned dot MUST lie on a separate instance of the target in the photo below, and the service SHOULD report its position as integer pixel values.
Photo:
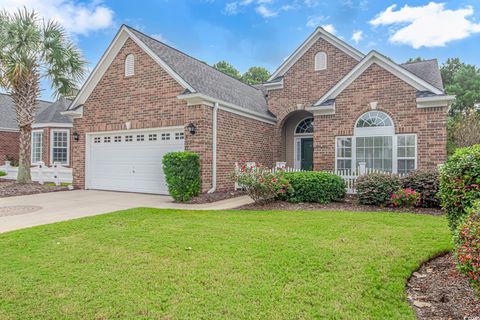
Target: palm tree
(30, 50)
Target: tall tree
(449, 69)
(227, 68)
(32, 49)
(465, 85)
(256, 75)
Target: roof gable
(427, 70)
(308, 43)
(387, 64)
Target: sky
(265, 32)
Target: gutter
(214, 149)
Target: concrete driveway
(38, 209)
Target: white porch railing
(57, 173)
(349, 176)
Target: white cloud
(427, 26)
(329, 28)
(75, 17)
(311, 3)
(357, 36)
(265, 12)
(315, 21)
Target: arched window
(129, 65)
(305, 126)
(320, 61)
(375, 145)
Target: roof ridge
(187, 55)
(413, 62)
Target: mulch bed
(9, 188)
(438, 291)
(217, 196)
(350, 203)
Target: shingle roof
(47, 112)
(427, 70)
(205, 79)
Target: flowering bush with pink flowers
(260, 183)
(405, 198)
(467, 249)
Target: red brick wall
(8, 145)
(396, 98)
(149, 100)
(302, 85)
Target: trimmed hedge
(182, 173)
(460, 183)
(377, 188)
(3, 174)
(314, 186)
(425, 182)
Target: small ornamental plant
(467, 251)
(405, 198)
(3, 174)
(260, 183)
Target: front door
(306, 151)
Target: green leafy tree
(256, 75)
(449, 69)
(417, 59)
(465, 85)
(227, 68)
(33, 49)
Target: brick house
(328, 106)
(50, 132)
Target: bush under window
(377, 188)
(460, 183)
(182, 173)
(425, 182)
(3, 174)
(314, 186)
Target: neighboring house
(328, 106)
(50, 132)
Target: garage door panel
(120, 162)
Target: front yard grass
(172, 264)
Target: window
(130, 65)
(117, 139)
(165, 136)
(320, 61)
(179, 136)
(152, 137)
(406, 153)
(60, 144)
(37, 146)
(344, 153)
(140, 137)
(128, 138)
(305, 126)
(97, 140)
(376, 144)
(107, 139)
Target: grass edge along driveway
(172, 264)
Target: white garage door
(131, 160)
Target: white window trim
(395, 157)
(68, 145)
(319, 67)
(42, 146)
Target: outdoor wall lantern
(192, 128)
(76, 136)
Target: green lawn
(241, 265)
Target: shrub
(467, 251)
(460, 183)
(314, 186)
(377, 188)
(425, 182)
(3, 174)
(261, 184)
(405, 198)
(182, 173)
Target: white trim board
(108, 57)
(9, 130)
(307, 44)
(385, 63)
(52, 125)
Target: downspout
(214, 149)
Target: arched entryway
(297, 140)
